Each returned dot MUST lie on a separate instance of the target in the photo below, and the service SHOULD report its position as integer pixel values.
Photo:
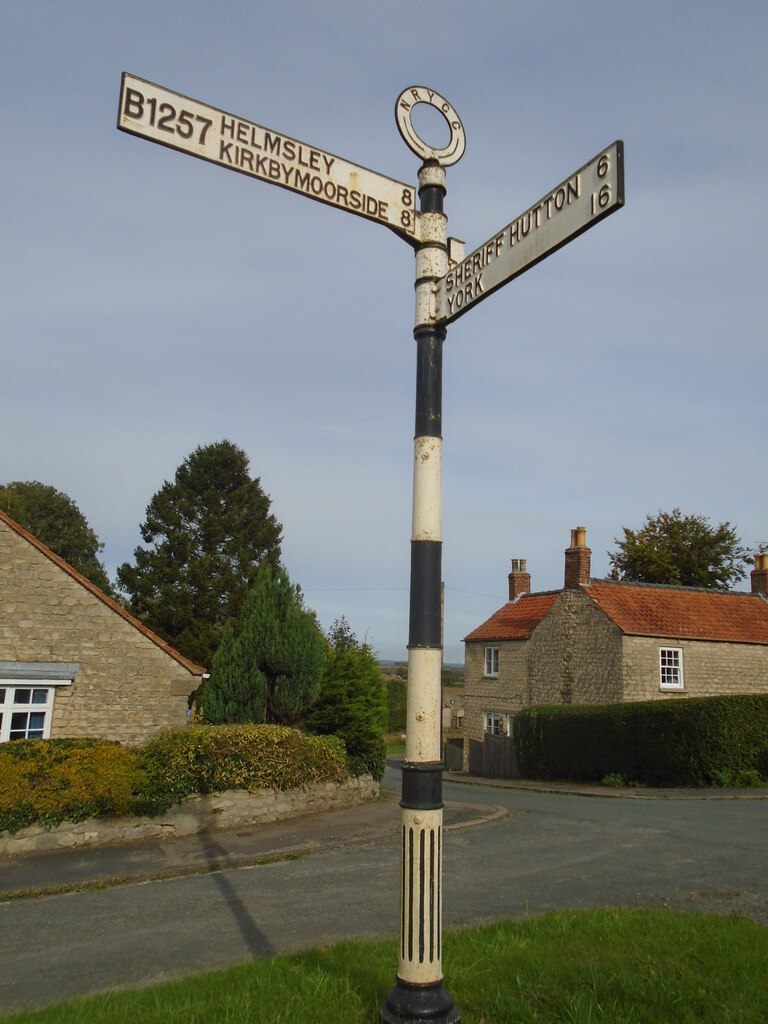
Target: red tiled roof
(190, 666)
(517, 619)
(682, 613)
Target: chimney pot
(759, 576)
(578, 558)
(519, 579)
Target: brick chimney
(759, 575)
(519, 579)
(577, 559)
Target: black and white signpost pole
(445, 290)
(419, 993)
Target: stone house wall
(126, 687)
(574, 655)
(504, 694)
(710, 668)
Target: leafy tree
(268, 668)
(55, 519)
(207, 534)
(682, 550)
(353, 700)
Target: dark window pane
(39, 696)
(22, 697)
(19, 725)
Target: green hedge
(212, 758)
(691, 742)
(46, 782)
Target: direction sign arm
(152, 112)
(584, 199)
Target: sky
(152, 302)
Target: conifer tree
(207, 533)
(268, 668)
(353, 700)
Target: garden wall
(195, 814)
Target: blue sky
(152, 303)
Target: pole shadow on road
(254, 938)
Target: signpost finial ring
(407, 99)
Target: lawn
(617, 966)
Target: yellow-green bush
(46, 782)
(212, 758)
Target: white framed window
(671, 668)
(27, 691)
(25, 712)
(493, 723)
(491, 661)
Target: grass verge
(622, 966)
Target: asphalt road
(545, 851)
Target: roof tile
(684, 613)
(516, 620)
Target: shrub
(693, 742)
(46, 782)
(49, 781)
(268, 667)
(210, 759)
(352, 703)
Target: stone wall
(709, 668)
(504, 694)
(233, 809)
(574, 655)
(127, 687)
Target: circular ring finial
(406, 101)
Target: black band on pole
(431, 196)
(424, 623)
(422, 786)
(429, 381)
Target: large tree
(268, 667)
(207, 532)
(54, 518)
(682, 550)
(352, 702)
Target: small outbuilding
(73, 662)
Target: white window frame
(671, 668)
(491, 660)
(493, 723)
(508, 726)
(39, 702)
(39, 678)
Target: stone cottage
(598, 641)
(73, 662)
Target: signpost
(575, 205)
(171, 119)
(443, 294)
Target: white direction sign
(171, 119)
(583, 199)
